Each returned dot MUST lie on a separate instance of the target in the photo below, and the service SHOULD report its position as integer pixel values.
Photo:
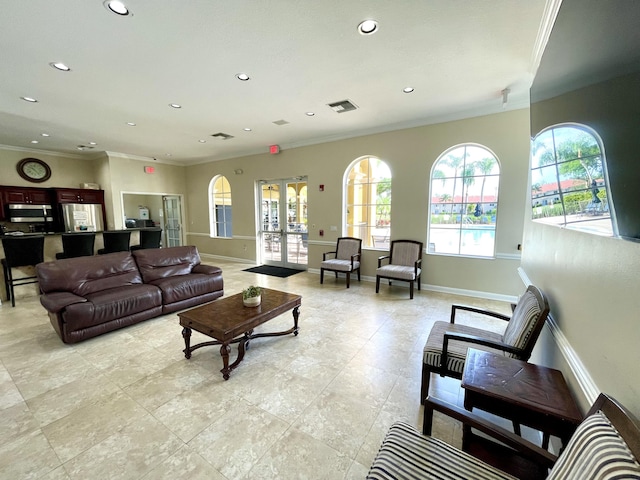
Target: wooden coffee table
(522, 392)
(229, 321)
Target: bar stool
(77, 245)
(149, 238)
(20, 252)
(115, 241)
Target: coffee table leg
(186, 334)
(224, 351)
(296, 314)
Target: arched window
(464, 202)
(220, 207)
(569, 184)
(367, 202)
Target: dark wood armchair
(344, 259)
(446, 349)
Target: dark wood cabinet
(26, 195)
(79, 195)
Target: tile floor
(128, 405)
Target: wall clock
(34, 170)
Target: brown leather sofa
(89, 296)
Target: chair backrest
(116, 241)
(606, 445)
(150, 238)
(527, 321)
(348, 246)
(405, 252)
(23, 251)
(78, 244)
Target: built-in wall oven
(28, 213)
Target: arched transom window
(367, 202)
(463, 206)
(220, 207)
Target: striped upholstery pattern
(347, 247)
(406, 454)
(456, 351)
(523, 321)
(400, 272)
(596, 452)
(340, 265)
(405, 253)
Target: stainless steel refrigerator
(82, 217)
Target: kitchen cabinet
(79, 195)
(26, 195)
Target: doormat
(273, 271)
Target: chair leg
(418, 283)
(321, 276)
(411, 290)
(358, 274)
(348, 278)
(424, 387)
(377, 284)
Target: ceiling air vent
(281, 122)
(223, 136)
(342, 106)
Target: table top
(227, 318)
(534, 387)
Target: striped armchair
(445, 351)
(404, 263)
(344, 259)
(605, 446)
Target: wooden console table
(522, 392)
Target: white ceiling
(301, 55)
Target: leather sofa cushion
(111, 304)
(157, 263)
(175, 289)
(86, 275)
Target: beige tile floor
(128, 405)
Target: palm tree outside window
(367, 202)
(569, 185)
(463, 208)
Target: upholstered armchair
(606, 445)
(345, 259)
(404, 263)
(446, 349)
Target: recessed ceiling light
(167, 154)
(202, 141)
(44, 134)
(175, 105)
(29, 99)
(117, 7)
(92, 143)
(309, 114)
(247, 129)
(242, 76)
(131, 124)
(60, 66)
(408, 89)
(367, 27)
(35, 141)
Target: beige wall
(67, 171)
(410, 154)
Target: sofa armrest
(206, 269)
(56, 301)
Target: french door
(172, 221)
(282, 231)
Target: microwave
(28, 213)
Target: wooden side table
(522, 392)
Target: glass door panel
(173, 221)
(283, 223)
